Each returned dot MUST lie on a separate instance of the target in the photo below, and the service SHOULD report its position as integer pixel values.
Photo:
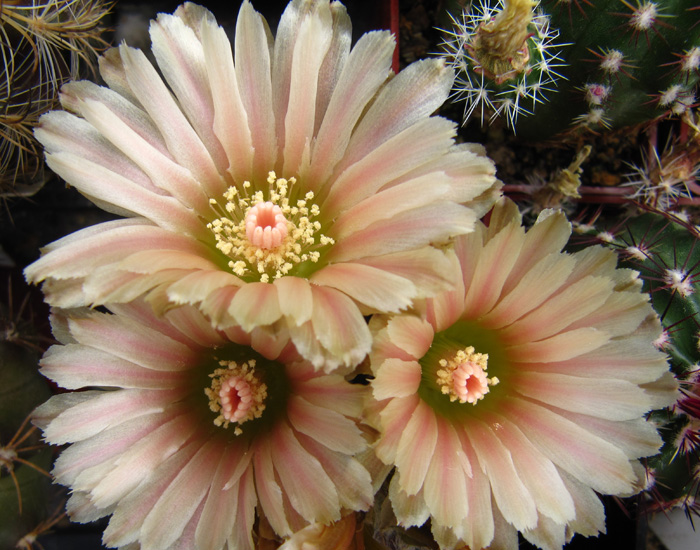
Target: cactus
(43, 44)
(505, 57)
(627, 63)
(620, 63)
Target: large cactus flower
(293, 184)
(507, 403)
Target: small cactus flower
(505, 58)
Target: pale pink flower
(292, 184)
(192, 429)
(509, 402)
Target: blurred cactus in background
(627, 63)
(43, 44)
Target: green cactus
(505, 56)
(625, 64)
(578, 66)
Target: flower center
(265, 225)
(463, 377)
(236, 393)
(266, 238)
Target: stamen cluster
(236, 393)
(464, 378)
(267, 236)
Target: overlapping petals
(147, 447)
(507, 403)
(368, 182)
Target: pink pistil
(265, 225)
(236, 399)
(469, 382)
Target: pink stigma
(265, 225)
(236, 399)
(469, 382)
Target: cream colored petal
(339, 328)
(431, 224)
(389, 202)
(412, 95)
(110, 188)
(548, 236)
(637, 437)
(126, 522)
(268, 488)
(548, 535)
(74, 367)
(218, 518)
(253, 69)
(136, 464)
(95, 412)
(329, 428)
(351, 480)
(306, 484)
(230, 123)
(334, 62)
(310, 48)
(295, 299)
(444, 489)
(496, 259)
(367, 67)
(410, 333)
(409, 510)
(164, 173)
(180, 57)
(597, 397)
(561, 310)
(241, 537)
(590, 513)
(513, 499)
(531, 290)
(136, 343)
(632, 358)
(396, 378)
(536, 471)
(477, 528)
(255, 304)
(182, 140)
(73, 97)
(414, 146)
(105, 446)
(560, 347)
(377, 289)
(61, 131)
(427, 268)
(394, 419)
(592, 460)
(416, 448)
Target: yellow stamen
(267, 236)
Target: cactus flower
(507, 403)
(293, 183)
(181, 431)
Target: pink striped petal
(396, 378)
